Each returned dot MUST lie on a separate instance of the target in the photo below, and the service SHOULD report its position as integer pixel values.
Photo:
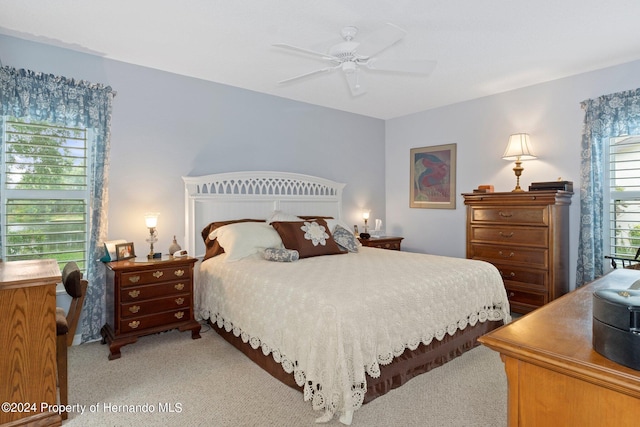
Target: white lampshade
(365, 214)
(151, 219)
(519, 148)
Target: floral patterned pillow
(281, 254)
(310, 238)
(345, 239)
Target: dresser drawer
(532, 236)
(524, 298)
(502, 254)
(155, 276)
(532, 279)
(159, 319)
(534, 215)
(140, 293)
(142, 308)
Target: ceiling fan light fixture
(349, 67)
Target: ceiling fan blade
(355, 81)
(415, 66)
(303, 50)
(380, 39)
(305, 75)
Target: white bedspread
(331, 319)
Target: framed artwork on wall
(433, 177)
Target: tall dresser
(526, 236)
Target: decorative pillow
(281, 254)
(282, 216)
(308, 217)
(309, 238)
(345, 239)
(211, 245)
(245, 238)
(333, 223)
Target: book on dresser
(526, 236)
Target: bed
(344, 326)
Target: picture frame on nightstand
(125, 251)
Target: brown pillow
(212, 246)
(309, 238)
(308, 217)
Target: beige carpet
(177, 381)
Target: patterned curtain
(605, 117)
(38, 96)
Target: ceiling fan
(351, 56)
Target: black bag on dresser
(616, 325)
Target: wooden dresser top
(29, 272)
(558, 336)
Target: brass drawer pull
(505, 214)
(134, 279)
(506, 236)
(506, 256)
(179, 315)
(134, 294)
(512, 274)
(158, 274)
(134, 308)
(179, 301)
(179, 273)
(134, 324)
(179, 286)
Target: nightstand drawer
(536, 215)
(395, 245)
(155, 276)
(497, 254)
(159, 319)
(140, 293)
(383, 242)
(142, 308)
(532, 236)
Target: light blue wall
(549, 112)
(165, 126)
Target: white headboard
(237, 195)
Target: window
(45, 192)
(622, 171)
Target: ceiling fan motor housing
(345, 51)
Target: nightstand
(382, 242)
(148, 297)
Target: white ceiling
(482, 47)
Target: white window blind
(623, 178)
(45, 192)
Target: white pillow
(282, 216)
(242, 239)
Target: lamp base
(518, 171)
(155, 255)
